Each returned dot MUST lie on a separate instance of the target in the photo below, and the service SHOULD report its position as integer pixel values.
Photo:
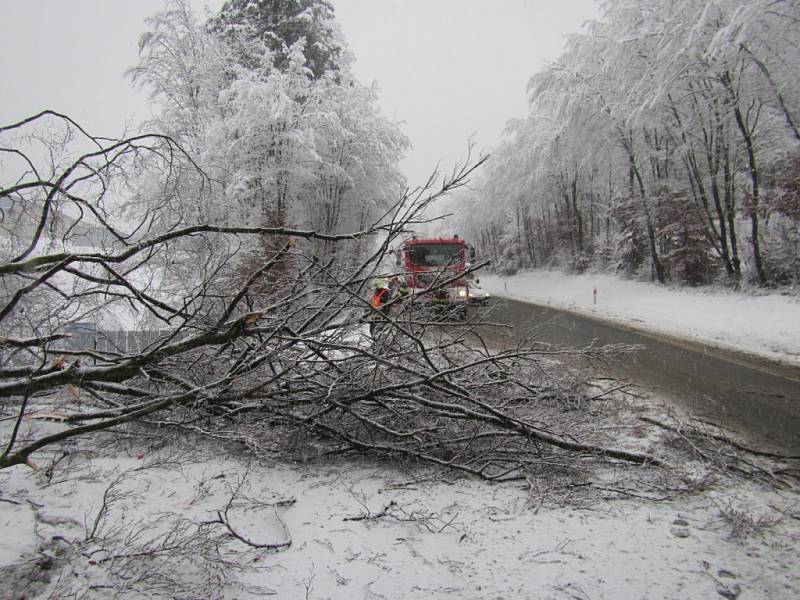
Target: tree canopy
(660, 143)
(280, 24)
(284, 140)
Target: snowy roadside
(766, 325)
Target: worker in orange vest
(381, 294)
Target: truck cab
(434, 270)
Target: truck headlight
(462, 292)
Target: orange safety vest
(378, 298)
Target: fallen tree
(271, 357)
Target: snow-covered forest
(267, 105)
(663, 142)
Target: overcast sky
(448, 69)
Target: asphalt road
(758, 399)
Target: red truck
(438, 263)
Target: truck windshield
(435, 255)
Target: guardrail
(88, 336)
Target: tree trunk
(730, 211)
(577, 212)
(747, 136)
(657, 268)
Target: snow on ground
(762, 324)
(460, 539)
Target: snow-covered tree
(282, 144)
(279, 25)
(664, 115)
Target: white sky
(453, 68)
(447, 68)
